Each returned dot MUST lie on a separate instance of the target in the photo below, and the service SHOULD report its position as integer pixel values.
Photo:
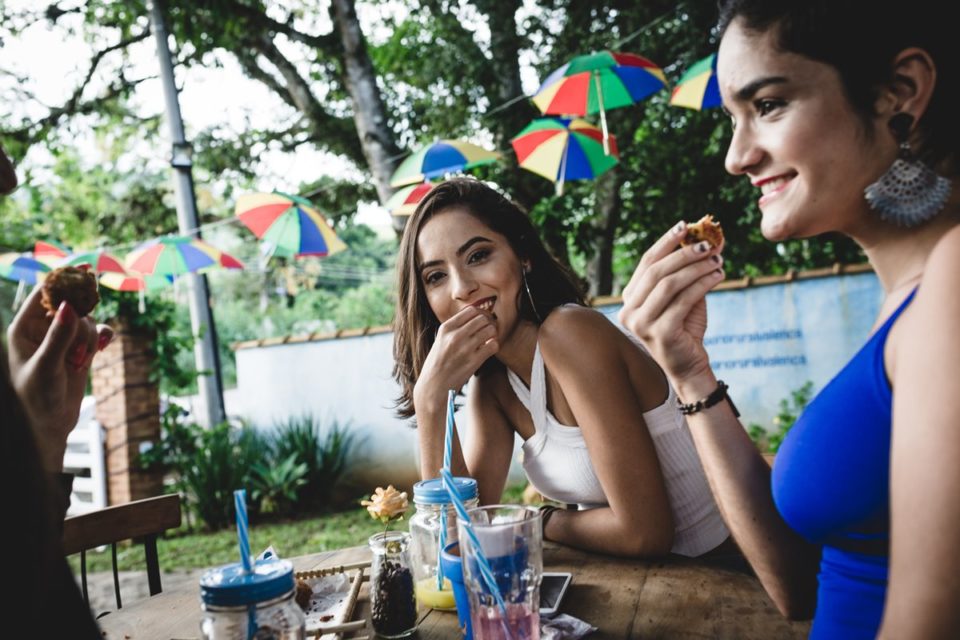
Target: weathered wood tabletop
(669, 599)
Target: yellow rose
(386, 504)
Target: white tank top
(558, 464)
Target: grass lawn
(192, 550)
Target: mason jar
(434, 519)
(238, 605)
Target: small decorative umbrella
(49, 252)
(130, 282)
(290, 224)
(99, 261)
(598, 82)
(21, 267)
(561, 149)
(439, 158)
(698, 88)
(404, 202)
(175, 255)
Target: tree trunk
(369, 114)
(606, 221)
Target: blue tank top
(831, 483)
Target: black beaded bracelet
(718, 394)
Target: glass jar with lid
(259, 604)
(434, 524)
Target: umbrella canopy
(289, 223)
(130, 282)
(561, 149)
(598, 82)
(21, 267)
(439, 158)
(698, 87)
(99, 261)
(404, 202)
(49, 252)
(174, 255)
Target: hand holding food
(75, 285)
(706, 228)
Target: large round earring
(909, 192)
(526, 287)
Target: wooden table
(670, 599)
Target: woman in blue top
(846, 119)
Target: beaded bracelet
(718, 394)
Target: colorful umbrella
(174, 255)
(561, 149)
(21, 267)
(597, 82)
(291, 224)
(698, 88)
(439, 158)
(130, 282)
(49, 252)
(404, 202)
(100, 261)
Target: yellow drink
(429, 596)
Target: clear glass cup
(511, 542)
(393, 610)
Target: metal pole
(201, 316)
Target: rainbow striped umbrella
(49, 252)
(698, 87)
(175, 255)
(598, 82)
(130, 282)
(21, 267)
(291, 224)
(99, 261)
(561, 149)
(404, 202)
(439, 158)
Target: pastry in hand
(71, 284)
(706, 228)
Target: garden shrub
(790, 409)
(326, 453)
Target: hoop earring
(909, 192)
(526, 287)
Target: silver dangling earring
(526, 287)
(909, 192)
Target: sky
(54, 64)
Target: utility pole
(201, 316)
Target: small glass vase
(393, 609)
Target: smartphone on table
(553, 586)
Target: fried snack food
(303, 594)
(73, 284)
(706, 228)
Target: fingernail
(103, 340)
(703, 247)
(65, 313)
(680, 227)
(717, 259)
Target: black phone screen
(551, 588)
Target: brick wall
(128, 407)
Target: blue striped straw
(486, 573)
(447, 458)
(240, 502)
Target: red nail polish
(78, 354)
(103, 340)
(66, 314)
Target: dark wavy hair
(415, 326)
(860, 39)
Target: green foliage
(325, 454)
(276, 484)
(790, 409)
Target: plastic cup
(510, 539)
(453, 571)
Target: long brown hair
(415, 326)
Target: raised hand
(664, 304)
(463, 343)
(49, 363)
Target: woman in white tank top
(480, 297)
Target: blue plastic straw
(240, 502)
(447, 458)
(486, 573)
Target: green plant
(275, 486)
(326, 455)
(790, 409)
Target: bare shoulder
(941, 275)
(579, 333)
